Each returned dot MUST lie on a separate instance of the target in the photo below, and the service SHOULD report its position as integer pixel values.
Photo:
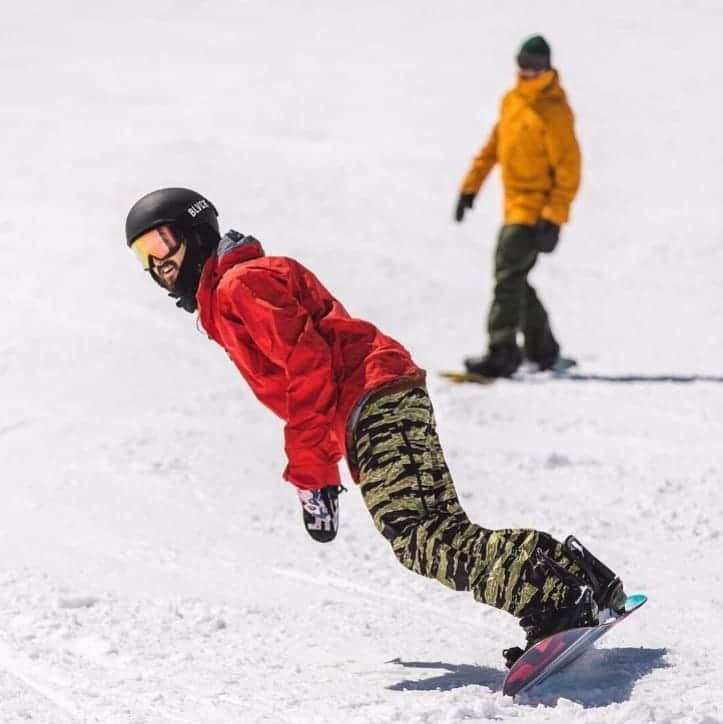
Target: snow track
(92, 663)
(24, 694)
(397, 601)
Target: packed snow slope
(153, 566)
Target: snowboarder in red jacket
(346, 390)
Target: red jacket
(302, 354)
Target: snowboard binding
(597, 588)
(607, 588)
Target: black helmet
(181, 208)
(193, 218)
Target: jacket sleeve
(284, 332)
(481, 165)
(564, 156)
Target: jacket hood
(234, 248)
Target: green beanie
(534, 54)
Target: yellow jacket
(535, 145)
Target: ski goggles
(159, 243)
(533, 61)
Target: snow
(153, 567)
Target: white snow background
(153, 566)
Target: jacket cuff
(312, 478)
(556, 216)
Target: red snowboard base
(555, 652)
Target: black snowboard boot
(501, 360)
(578, 608)
(542, 623)
(547, 359)
(542, 348)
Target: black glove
(547, 235)
(466, 201)
(321, 512)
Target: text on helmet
(197, 208)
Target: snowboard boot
(320, 510)
(578, 608)
(502, 360)
(542, 623)
(546, 355)
(607, 588)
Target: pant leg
(540, 343)
(410, 495)
(515, 255)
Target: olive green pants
(408, 490)
(515, 306)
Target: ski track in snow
(153, 566)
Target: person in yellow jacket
(534, 142)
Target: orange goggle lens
(159, 243)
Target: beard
(189, 275)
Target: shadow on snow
(678, 379)
(599, 678)
(455, 676)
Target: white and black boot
(321, 512)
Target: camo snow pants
(408, 490)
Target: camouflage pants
(408, 490)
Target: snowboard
(526, 369)
(554, 653)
